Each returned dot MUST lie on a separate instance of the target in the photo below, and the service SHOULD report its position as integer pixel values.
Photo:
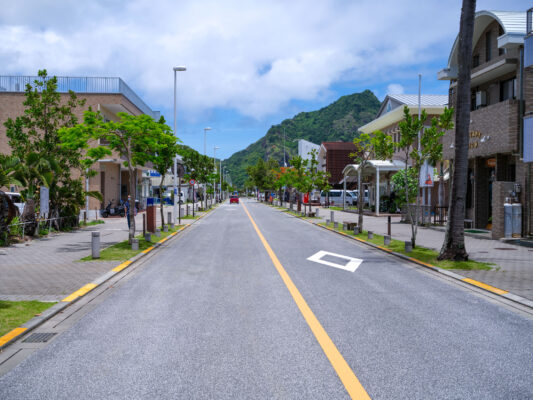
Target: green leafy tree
(398, 180)
(34, 136)
(199, 167)
(378, 146)
(134, 138)
(163, 158)
(415, 156)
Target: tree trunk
(133, 193)
(161, 201)
(360, 200)
(453, 247)
(28, 217)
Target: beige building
(107, 95)
(502, 97)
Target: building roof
(434, 104)
(338, 145)
(513, 24)
(81, 85)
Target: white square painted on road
(352, 265)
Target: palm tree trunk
(453, 247)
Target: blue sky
(250, 64)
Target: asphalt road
(209, 316)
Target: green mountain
(337, 122)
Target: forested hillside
(337, 122)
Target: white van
(356, 197)
(336, 197)
(16, 198)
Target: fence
(63, 222)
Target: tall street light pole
(215, 170)
(205, 130)
(175, 211)
(220, 187)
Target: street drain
(503, 248)
(38, 337)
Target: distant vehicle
(16, 198)
(234, 199)
(355, 195)
(336, 197)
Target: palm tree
(453, 247)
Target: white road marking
(353, 263)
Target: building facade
(107, 95)
(501, 90)
(333, 157)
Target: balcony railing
(80, 85)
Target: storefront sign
(490, 162)
(475, 135)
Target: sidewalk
(48, 269)
(514, 264)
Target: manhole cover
(503, 248)
(38, 337)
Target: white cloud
(254, 57)
(395, 88)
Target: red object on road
(234, 199)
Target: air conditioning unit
(481, 99)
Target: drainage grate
(503, 248)
(38, 337)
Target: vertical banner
(426, 175)
(44, 208)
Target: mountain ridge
(338, 121)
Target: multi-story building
(333, 157)
(502, 90)
(107, 95)
(305, 149)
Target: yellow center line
(10, 335)
(345, 373)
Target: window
(507, 89)
(488, 46)
(389, 106)
(475, 61)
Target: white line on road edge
(353, 263)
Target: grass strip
(91, 223)
(419, 253)
(122, 251)
(189, 217)
(15, 313)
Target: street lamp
(175, 211)
(205, 130)
(215, 170)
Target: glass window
(507, 89)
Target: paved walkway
(514, 264)
(48, 269)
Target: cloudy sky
(250, 64)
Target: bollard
(356, 230)
(165, 228)
(316, 212)
(187, 210)
(169, 217)
(344, 227)
(327, 222)
(386, 240)
(370, 234)
(388, 225)
(135, 244)
(335, 224)
(408, 246)
(172, 224)
(95, 244)
(96, 213)
(332, 215)
(148, 236)
(158, 232)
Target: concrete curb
(480, 285)
(33, 323)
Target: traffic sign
(192, 182)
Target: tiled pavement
(48, 269)
(514, 264)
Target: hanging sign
(426, 175)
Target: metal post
(144, 224)
(388, 225)
(95, 244)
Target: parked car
(234, 199)
(355, 195)
(336, 197)
(16, 198)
